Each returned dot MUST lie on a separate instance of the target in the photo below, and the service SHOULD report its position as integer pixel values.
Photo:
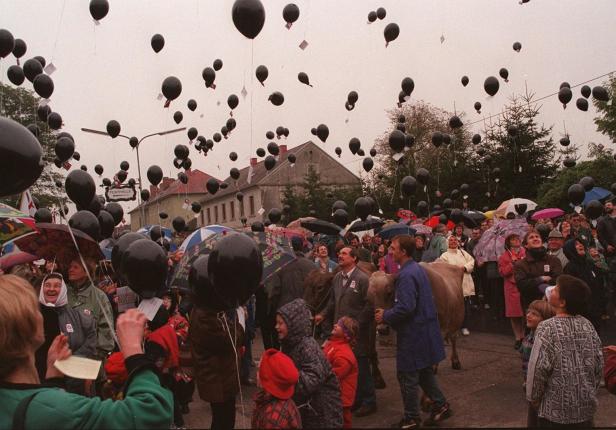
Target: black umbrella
(472, 219)
(393, 230)
(370, 224)
(320, 226)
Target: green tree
(20, 105)
(606, 121)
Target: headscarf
(62, 297)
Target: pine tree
(606, 122)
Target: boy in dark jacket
(274, 406)
(317, 393)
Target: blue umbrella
(199, 235)
(393, 230)
(596, 193)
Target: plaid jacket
(273, 413)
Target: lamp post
(160, 133)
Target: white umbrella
(510, 206)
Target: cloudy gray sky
(109, 71)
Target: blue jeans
(365, 394)
(425, 379)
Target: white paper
(241, 316)
(159, 96)
(126, 299)
(50, 68)
(244, 93)
(261, 211)
(397, 156)
(149, 307)
(303, 45)
(79, 367)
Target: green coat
(83, 298)
(146, 405)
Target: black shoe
(406, 424)
(439, 414)
(365, 410)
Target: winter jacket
(317, 393)
(436, 248)
(560, 254)
(606, 231)
(349, 298)
(528, 272)
(343, 361)
(214, 358)
(288, 283)
(505, 265)
(415, 320)
(93, 301)
(273, 413)
(146, 404)
(461, 258)
(609, 372)
(331, 265)
(163, 348)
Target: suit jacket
(350, 299)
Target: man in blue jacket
(420, 345)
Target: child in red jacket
(340, 355)
(274, 406)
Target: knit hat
(278, 374)
(555, 234)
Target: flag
(27, 204)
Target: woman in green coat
(25, 402)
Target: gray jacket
(288, 283)
(317, 393)
(560, 255)
(80, 330)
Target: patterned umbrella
(392, 230)
(492, 243)
(275, 253)
(199, 235)
(13, 223)
(11, 255)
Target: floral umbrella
(492, 243)
(13, 223)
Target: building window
(232, 209)
(216, 214)
(209, 216)
(202, 218)
(251, 202)
(224, 212)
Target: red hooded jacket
(341, 357)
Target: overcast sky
(109, 71)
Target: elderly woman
(25, 402)
(536, 271)
(58, 318)
(513, 305)
(459, 257)
(566, 363)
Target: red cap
(278, 374)
(115, 368)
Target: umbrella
(596, 193)
(392, 230)
(434, 221)
(509, 206)
(275, 255)
(492, 243)
(54, 242)
(321, 226)
(472, 219)
(547, 213)
(13, 223)
(200, 235)
(11, 255)
(421, 229)
(106, 246)
(370, 224)
(297, 223)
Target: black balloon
(163, 215)
(372, 16)
(303, 78)
(192, 133)
(409, 141)
(121, 175)
(106, 223)
(145, 195)
(352, 97)
(43, 85)
(133, 142)
(106, 182)
(396, 141)
(144, 265)
(582, 104)
(290, 13)
(155, 175)
(341, 217)
(181, 151)
(273, 148)
(564, 141)
(381, 13)
(576, 194)
(422, 208)
(601, 94)
(361, 152)
(43, 111)
(363, 207)
(594, 209)
(437, 139)
(372, 152)
(291, 158)
(233, 101)
(586, 91)
(99, 9)
(354, 145)
(274, 215)
(517, 46)
(217, 64)
(408, 185)
(231, 123)
(569, 162)
(20, 157)
(277, 98)
(86, 222)
(233, 286)
(32, 68)
(339, 204)
(54, 120)
(491, 85)
(187, 164)
(76, 156)
(455, 122)
(116, 211)
(157, 42)
(177, 117)
(408, 85)
(322, 132)
(196, 207)
(64, 148)
(476, 139)
(565, 95)
(217, 137)
(113, 128)
(41, 60)
(587, 182)
(234, 173)
(171, 88)
(178, 223)
(7, 43)
(269, 162)
(33, 128)
(239, 196)
(212, 186)
(477, 107)
(124, 166)
(43, 215)
(191, 104)
(391, 32)
(262, 73)
(464, 80)
(183, 177)
(96, 205)
(84, 167)
(368, 164)
(248, 17)
(16, 75)
(504, 73)
(423, 176)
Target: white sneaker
(465, 332)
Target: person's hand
(318, 319)
(378, 315)
(610, 249)
(130, 328)
(546, 278)
(58, 350)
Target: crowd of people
(555, 283)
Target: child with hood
(317, 393)
(274, 406)
(340, 355)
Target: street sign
(124, 193)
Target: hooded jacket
(530, 269)
(317, 393)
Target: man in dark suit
(350, 287)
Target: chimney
(283, 150)
(253, 161)
(153, 191)
(166, 182)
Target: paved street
(487, 392)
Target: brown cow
(446, 282)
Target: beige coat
(461, 258)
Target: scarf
(62, 297)
(537, 253)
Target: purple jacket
(414, 317)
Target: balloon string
(252, 87)
(55, 43)
(223, 319)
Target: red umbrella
(434, 221)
